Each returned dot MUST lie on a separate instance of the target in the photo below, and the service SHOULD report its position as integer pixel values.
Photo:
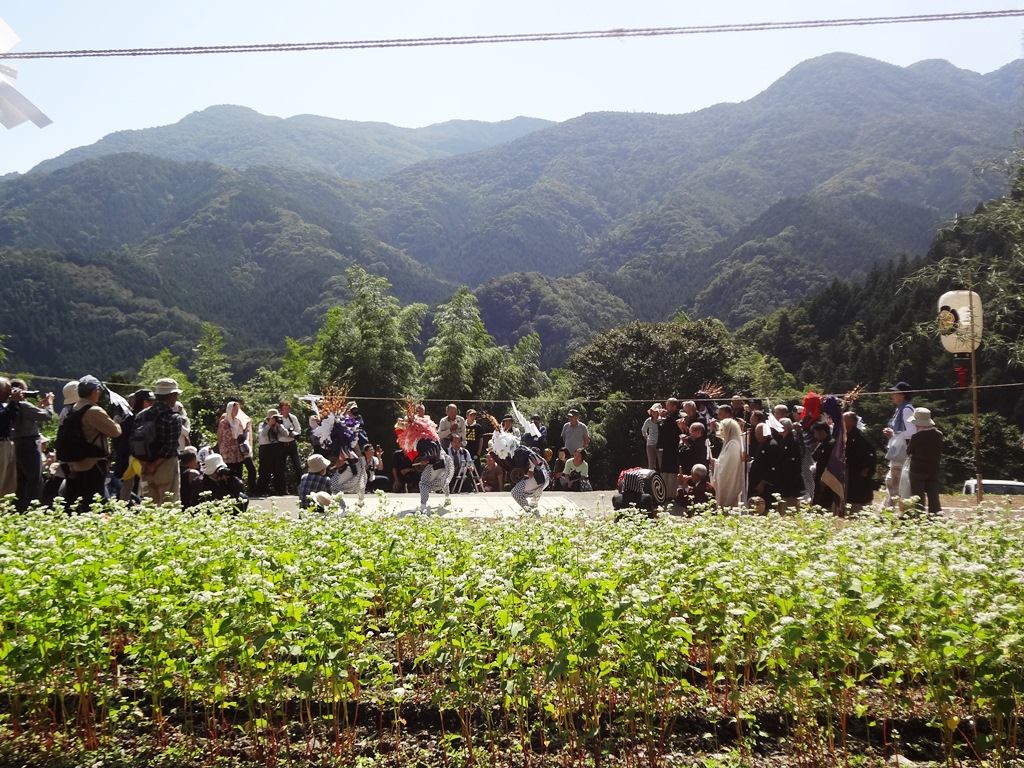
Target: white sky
(89, 98)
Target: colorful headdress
(410, 429)
(338, 430)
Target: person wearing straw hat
(925, 454)
(314, 480)
(161, 479)
(649, 432)
(218, 482)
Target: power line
(536, 37)
(575, 399)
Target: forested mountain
(731, 212)
(571, 194)
(238, 137)
(145, 248)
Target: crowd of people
(739, 454)
(735, 453)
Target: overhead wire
(531, 37)
(580, 400)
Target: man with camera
(288, 436)
(218, 482)
(25, 435)
(272, 454)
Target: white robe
(728, 477)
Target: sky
(89, 98)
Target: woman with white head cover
(234, 438)
(728, 479)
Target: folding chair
(467, 470)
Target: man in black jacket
(670, 428)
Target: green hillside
(238, 137)
(566, 230)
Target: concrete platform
(482, 506)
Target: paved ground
(596, 505)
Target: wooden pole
(978, 490)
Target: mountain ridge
(843, 163)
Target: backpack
(143, 440)
(71, 444)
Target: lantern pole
(978, 489)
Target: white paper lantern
(960, 321)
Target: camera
(223, 472)
(279, 419)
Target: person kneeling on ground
(693, 489)
(219, 482)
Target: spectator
(404, 475)
(460, 456)
(649, 432)
(87, 477)
(925, 453)
(714, 441)
(451, 424)
(28, 460)
(234, 439)
(670, 430)
(508, 425)
(376, 480)
(762, 476)
(789, 465)
(694, 448)
(70, 396)
(8, 410)
(272, 454)
(576, 475)
(288, 438)
(694, 489)
(124, 468)
(810, 413)
(575, 434)
(558, 468)
(691, 414)
(897, 432)
(823, 497)
(184, 439)
(493, 478)
(161, 478)
(860, 464)
(474, 434)
(729, 466)
(314, 480)
(190, 476)
(219, 482)
(740, 411)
